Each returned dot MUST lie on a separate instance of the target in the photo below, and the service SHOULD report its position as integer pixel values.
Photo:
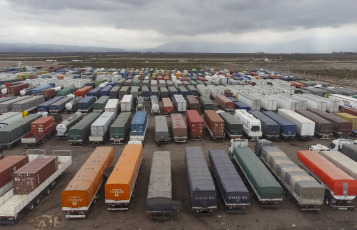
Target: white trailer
(252, 101)
(237, 143)
(251, 126)
(305, 128)
(11, 205)
(284, 102)
(266, 90)
(302, 103)
(214, 91)
(100, 128)
(126, 103)
(344, 100)
(112, 106)
(204, 91)
(313, 102)
(9, 118)
(179, 103)
(267, 102)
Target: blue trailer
(235, 195)
(172, 91)
(155, 91)
(85, 105)
(232, 99)
(145, 92)
(287, 128)
(38, 90)
(59, 105)
(183, 91)
(241, 105)
(271, 129)
(105, 91)
(138, 126)
(45, 106)
(95, 92)
(201, 186)
(114, 92)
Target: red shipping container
(349, 110)
(168, 106)
(15, 89)
(48, 93)
(33, 174)
(193, 103)
(83, 91)
(225, 103)
(329, 174)
(9, 165)
(179, 128)
(166, 78)
(215, 123)
(195, 124)
(42, 126)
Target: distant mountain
(38, 48)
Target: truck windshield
(255, 128)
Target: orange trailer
(80, 192)
(121, 182)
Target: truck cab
(336, 145)
(318, 148)
(237, 143)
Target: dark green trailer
(232, 126)
(80, 132)
(263, 183)
(206, 103)
(120, 128)
(66, 91)
(99, 104)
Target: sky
(247, 25)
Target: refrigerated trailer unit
(251, 125)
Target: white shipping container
(204, 91)
(267, 102)
(112, 106)
(313, 102)
(101, 126)
(251, 125)
(302, 103)
(252, 101)
(9, 118)
(179, 103)
(305, 128)
(126, 103)
(345, 100)
(284, 102)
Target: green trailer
(99, 104)
(11, 134)
(194, 83)
(120, 128)
(262, 182)
(98, 82)
(232, 126)
(199, 82)
(79, 133)
(137, 83)
(66, 91)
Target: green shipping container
(14, 131)
(264, 183)
(137, 83)
(192, 82)
(231, 124)
(120, 128)
(98, 82)
(199, 82)
(99, 104)
(66, 91)
(79, 133)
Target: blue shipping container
(105, 90)
(183, 91)
(59, 105)
(287, 128)
(241, 105)
(138, 124)
(38, 90)
(95, 92)
(86, 102)
(45, 106)
(270, 128)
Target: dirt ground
(48, 214)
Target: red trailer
(226, 104)
(14, 90)
(195, 124)
(41, 130)
(167, 105)
(349, 110)
(341, 186)
(193, 103)
(179, 128)
(7, 167)
(83, 91)
(48, 93)
(214, 124)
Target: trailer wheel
(31, 206)
(38, 200)
(47, 191)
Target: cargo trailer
(195, 124)
(164, 92)
(59, 106)
(138, 126)
(8, 165)
(342, 161)
(65, 91)
(179, 103)
(154, 104)
(159, 203)
(252, 101)
(120, 128)
(66, 124)
(214, 124)
(72, 105)
(11, 205)
(341, 127)
(341, 187)
(162, 134)
(183, 91)
(126, 103)
(105, 91)
(124, 91)
(287, 128)
(28, 104)
(85, 105)
(145, 92)
(120, 82)
(204, 91)
(179, 128)
(192, 90)
(38, 90)
(95, 92)
(232, 127)
(167, 105)
(45, 106)
(192, 103)
(82, 190)
(140, 104)
(252, 127)
(235, 195)
(9, 118)
(48, 93)
(350, 150)
(284, 102)
(345, 100)
(305, 128)
(154, 91)
(173, 91)
(262, 182)
(11, 134)
(14, 90)
(350, 118)
(313, 102)
(226, 104)
(41, 130)
(112, 106)
(201, 186)
(304, 188)
(79, 133)
(114, 92)
(270, 129)
(348, 110)
(99, 129)
(206, 103)
(120, 185)
(323, 128)
(134, 91)
(99, 105)
(6, 106)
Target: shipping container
(95, 92)
(183, 91)
(232, 127)
(287, 128)
(112, 106)
(99, 105)
(154, 91)
(99, 129)
(313, 102)
(8, 165)
(323, 128)
(226, 104)
(128, 82)
(41, 130)
(271, 129)
(48, 93)
(193, 103)
(173, 91)
(352, 111)
(159, 198)
(79, 133)
(195, 124)
(201, 186)
(120, 128)
(79, 194)
(121, 182)
(9, 118)
(45, 106)
(138, 126)
(124, 91)
(105, 91)
(341, 186)
(14, 90)
(179, 128)
(28, 104)
(342, 161)
(305, 128)
(120, 82)
(65, 91)
(83, 91)
(262, 182)
(252, 101)
(235, 195)
(145, 92)
(214, 124)
(350, 150)
(192, 90)
(33, 174)
(340, 126)
(268, 103)
(6, 106)
(179, 103)
(134, 91)
(66, 124)
(204, 91)
(114, 92)
(60, 105)
(303, 187)
(162, 134)
(126, 103)
(38, 90)
(206, 103)
(350, 118)
(285, 102)
(85, 105)
(252, 126)
(167, 105)
(164, 92)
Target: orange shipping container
(120, 184)
(80, 192)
